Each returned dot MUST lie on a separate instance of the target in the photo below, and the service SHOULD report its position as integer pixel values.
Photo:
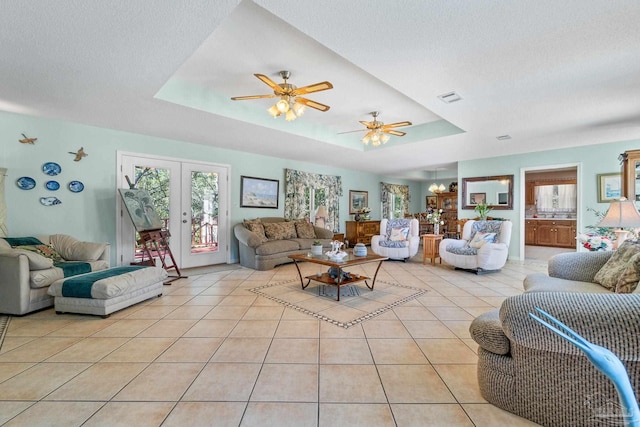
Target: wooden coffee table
(348, 261)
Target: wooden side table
(431, 247)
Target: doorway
(191, 199)
(550, 213)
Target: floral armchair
(484, 246)
(398, 238)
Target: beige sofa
(25, 275)
(267, 242)
(526, 369)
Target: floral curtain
(3, 205)
(296, 182)
(388, 189)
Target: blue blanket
(73, 268)
(80, 287)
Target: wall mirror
(495, 191)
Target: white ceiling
(550, 74)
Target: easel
(156, 241)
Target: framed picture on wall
(358, 200)
(258, 192)
(432, 202)
(477, 198)
(609, 187)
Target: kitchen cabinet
(361, 231)
(559, 233)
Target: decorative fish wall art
(27, 140)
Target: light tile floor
(212, 353)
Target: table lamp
(321, 217)
(621, 214)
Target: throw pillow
(628, 281)
(305, 230)
(611, 272)
(72, 249)
(280, 230)
(258, 228)
(22, 241)
(36, 261)
(44, 250)
(481, 238)
(399, 234)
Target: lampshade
(322, 212)
(621, 214)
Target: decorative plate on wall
(50, 201)
(26, 183)
(51, 168)
(52, 185)
(76, 186)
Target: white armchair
(398, 238)
(478, 251)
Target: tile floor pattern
(211, 353)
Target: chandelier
(288, 106)
(435, 188)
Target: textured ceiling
(550, 74)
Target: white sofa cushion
(72, 249)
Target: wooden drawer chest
(361, 231)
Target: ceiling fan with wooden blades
(378, 132)
(291, 104)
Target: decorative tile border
(4, 325)
(401, 300)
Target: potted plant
(316, 247)
(483, 210)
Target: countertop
(550, 219)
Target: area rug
(357, 302)
(4, 325)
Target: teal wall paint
(91, 214)
(593, 160)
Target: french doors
(191, 198)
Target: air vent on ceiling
(503, 137)
(450, 97)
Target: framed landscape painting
(609, 187)
(259, 192)
(358, 200)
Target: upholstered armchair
(484, 246)
(398, 238)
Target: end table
(430, 247)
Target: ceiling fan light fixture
(273, 110)
(365, 139)
(298, 108)
(282, 105)
(384, 138)
(290, 116)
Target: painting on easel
(141, 210)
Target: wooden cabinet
(361, 231)
(530, 193)
(530, 229)
(558, 233)
(448, 202)
(630, 174)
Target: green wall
(91, 214)
(592, 160)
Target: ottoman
(104, 292)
